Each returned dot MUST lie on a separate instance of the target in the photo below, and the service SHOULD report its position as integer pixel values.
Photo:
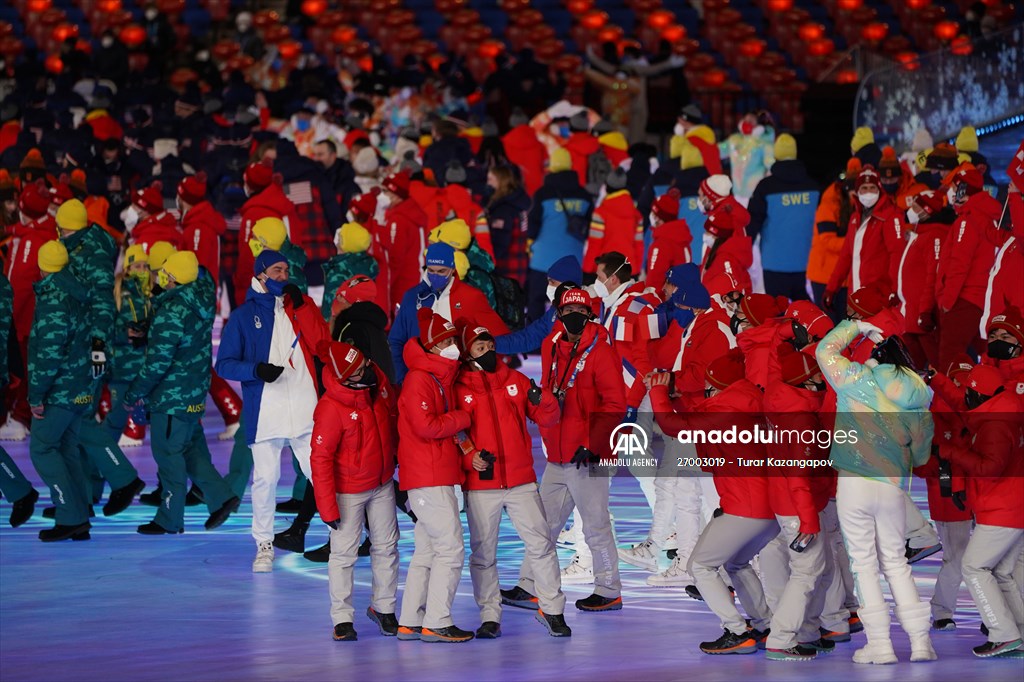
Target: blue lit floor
(128, 607)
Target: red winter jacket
(706, 339)
(949, 434)
(498, 408)
(595, 403)
(889, 321)
(615, 226)
(994, 462)
(671, 247)
(915, 279)
(524, 150)
(580, 146)
(432, 200)
(428, 421)
(201, 229)
(759, 344)
(270, 203)
(733, 254)
(23, 268)
(465, 206)
(631, 322)
(743, 490)
(1005, 288)
(793, 491)
(967, 253)
(871, 251)
(404, 237)
(161, 227)
(354, 441)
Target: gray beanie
(616, 180)
(603, 126)
(518, 118)
(455, 174)
(578, 122)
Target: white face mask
(601, 289)
(451, 352)
(653, 218)
(912, 217)
(679, 130)
(551, 293)
(130, 216)
(383, 201)
(107, 42)
(868, 200)
(951, 196)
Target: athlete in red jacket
(151, 223)
(36, 227)
(266, 200)
(730, 250)
(759, 329)
(430, 468)
(616, 225)
(672, 238)
(1004, 288)
(1005, 349)
(201, 225)
(524, 150)
(353, 461)
(925, 230)
(403, 236)
(500, 475)
(967, 257)
(580, 145)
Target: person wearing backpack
(558, 224)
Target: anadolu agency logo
(629, 440)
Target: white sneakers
(671, 542)
(13, 430)
(229, 432)
(643, 555)
(264, 561)
(567, 537)
(674, 576)
(128, 442)
(576, 573)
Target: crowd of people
(378, 270)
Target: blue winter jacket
(529, 338)
(547, 224)
(782, 210)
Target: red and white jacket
(201, 229)
(670, 247)
(23, 267)
(706, 339)
(615, 226)
(967, 253)
(270, 203)
(632, 322)
(162, 227)
(949, 429)
(355, 438)
(404, 238)
(871, 251)
(1005, 286)
(915, 279)
(498, 408)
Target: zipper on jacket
(497, 426)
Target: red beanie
(354, 290)
(192, 189)
(971, 177)
(34, 200)
(868, 301)
(759, 307)
(727, 282)
(985, 379)
(726, 369)
(796, 366)
(469, 332)
(364, 206)
(61, 191)
(666, 206)
(574, 296)
(433, 328)
(1010, 321)
(868, 176)
(341, 358)
(961, 365)
(814, 320)
(259, 176)
(933, 202)
(398, 183)
(149, 199)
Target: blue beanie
(686, 278)
(266, 259)
(441, 255)
(566, 269)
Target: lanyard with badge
(561, 387)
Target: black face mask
(734, 325)
(574, 322)
(488, 361)
(974, 399)
(708, 392)
(818, 386)
(368, 380)
(156, 290)
(800, 336)
(1001, 350)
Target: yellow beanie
(702, 133)
(689, 156)
(158, 254)
(461, 264)
(967, 140)
(560, 161)
(352, 238)
(455, 233)
(675, 146)
(183, 266)
(861, 138)
(270, 231)
(615, 140)
(53, 256)
(785, 148)
(72, 216)
(922, 159)
(963, 157)
(136, 253)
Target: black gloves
(293, 292)
(488, 473)
(138, 333)
(335, 524)
(99, 358)
(583, 457)
(800, 336)
(960, 500)
(267, 372)
(534, 394)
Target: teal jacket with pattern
(296, 264)
(133, 308)
(92, 254)
(175, 376)
(340, 269)
(59, 366)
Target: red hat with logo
(469, 333)
(985, 379)
(727, 282)
(398, 183)
(726, 370)
(666, 207)
(34, 200)
(961, 365)
(814, 320)
(192, 189)
(868, 176)
(796, 366)
(149, 199)
(970, 177)
(259, 176)
(930, 201)
(433, 328)
(340, 358)
(1010, 321)
(354, 290)
(574, 296)
(868, 301)
(758, 308)
(364, 206)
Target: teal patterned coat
(92, 254)
(59, 365)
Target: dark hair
(330, 145)
(615, 262)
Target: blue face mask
(683, 317)
(437, 282)
(274, 287)
(302, 124)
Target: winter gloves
(267, 372)
(534, 394)
(293, 292)
(99, 358)
(583, 457)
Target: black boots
(24, 508)
(121, 498)
(293, 539)
(59, 533)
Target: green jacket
(6, 320)
(296, 264)
(133, 307)
(340, 269)
(59, 365)
(92, 254)
(480, 267)
(175, 377)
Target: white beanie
(922, 141)
(720, 185)
(403, 145)
(366, 162)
